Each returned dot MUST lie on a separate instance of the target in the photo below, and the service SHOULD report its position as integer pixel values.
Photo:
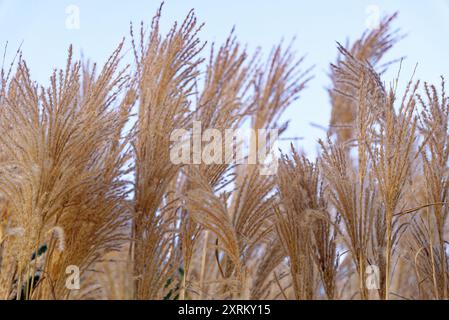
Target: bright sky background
(317, 25)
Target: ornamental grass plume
(87, 182)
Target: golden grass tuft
(86, 178)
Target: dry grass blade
(166, 69)
(370, 48)
(63, 172)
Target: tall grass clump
(88, 184)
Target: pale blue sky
(316, 24)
